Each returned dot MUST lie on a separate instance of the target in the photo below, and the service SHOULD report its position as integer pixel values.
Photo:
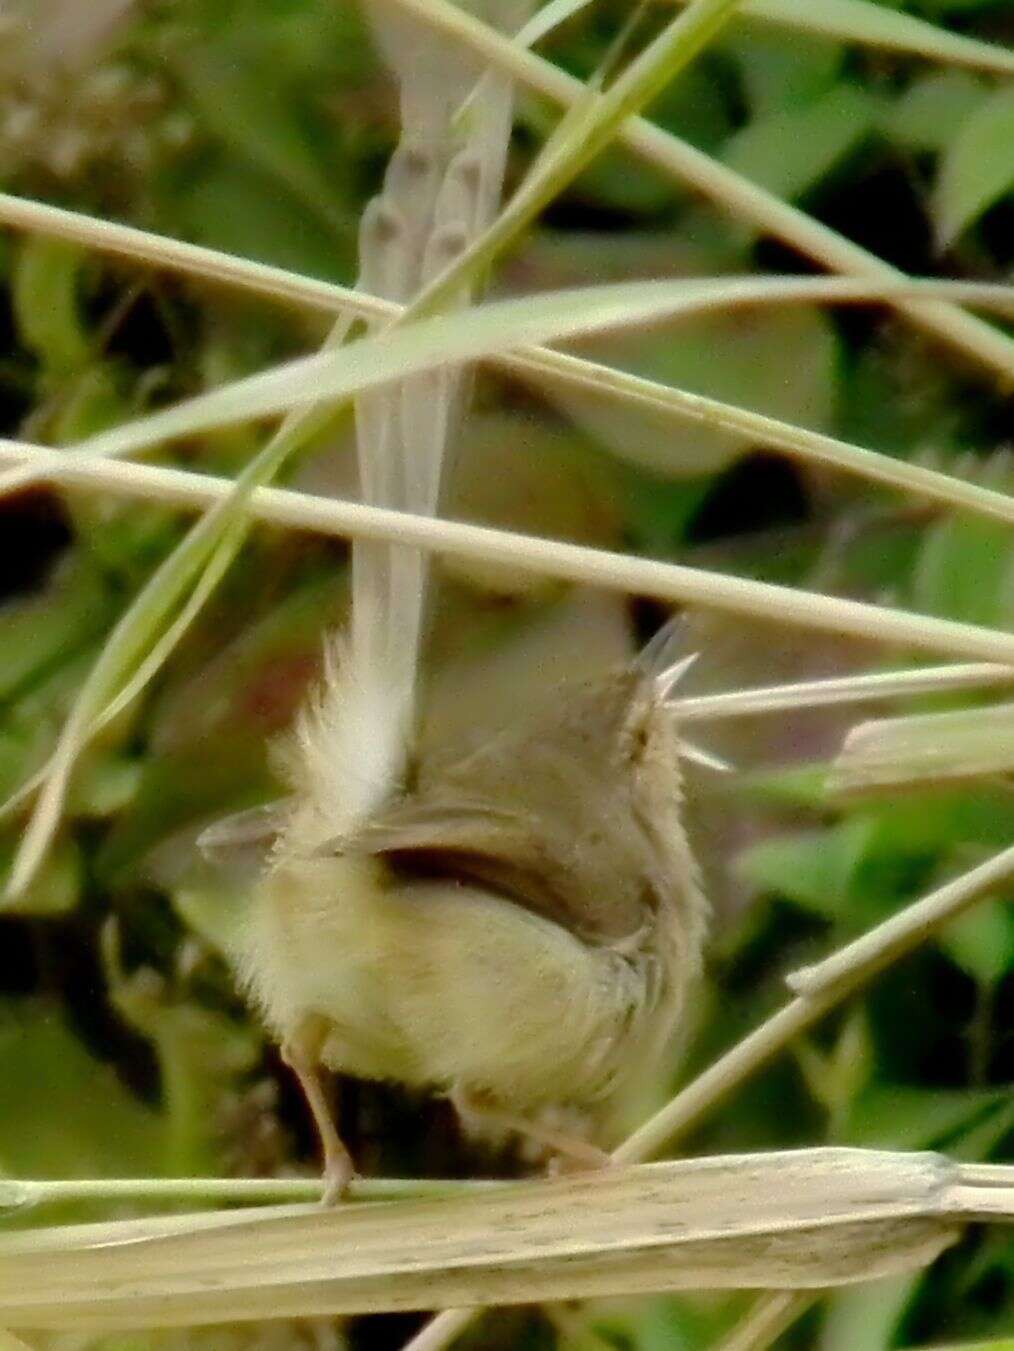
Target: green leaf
(180, 792)
(41, 631)
(56, 887)
(929, 114)
(797, 786)
(899, 1116)
(981, 942)
(790, 150)
(816, 869)
(781, 363)
(64, 1113)
(214, 912)
(240, 210)
(254, 682)
(977, 169)
(965, 570)
(926, 822)
(781, 68)
(235, 88)
(105, 785)
(202, 1054)
(46, 300)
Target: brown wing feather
(548, 814)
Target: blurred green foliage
(261, 127)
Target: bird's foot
(577, 1156)
(569, 1153)
(339, 1172)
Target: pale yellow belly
(436, 984)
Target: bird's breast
(443, 984)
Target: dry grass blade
(538, 365)
(902, 752)
(793, 1220)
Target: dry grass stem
(902, 932)
(842, 690)
(568, 562)
(764, 1322)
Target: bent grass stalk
(769, 1316)
(818, 989)
(339, 373)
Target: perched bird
(514, 922)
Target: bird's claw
(339, 1172)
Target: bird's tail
(441, 189)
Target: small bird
(519, 928)
(516, 922)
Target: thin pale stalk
(539, 364)
(986, 345)
(825, 985)
(768, 1317)
(574, 1332)
(843, 690)
(442, 1330)
(552, 558)
(22, 1193)
(902, 932)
